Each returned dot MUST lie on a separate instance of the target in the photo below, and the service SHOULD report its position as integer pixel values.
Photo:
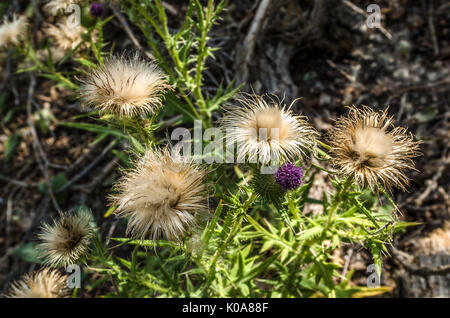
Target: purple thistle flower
(97, 9)
(289, 176)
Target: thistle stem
(366, 212)
(324, 145)
(292, 206)
(237, 223)
(322, 168)
(249, 201)
(337, 201)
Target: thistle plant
(67, 239)
(192, 229)
(364, 147)
(254, 122)
(183, 53)
(289, 176)
(124, 87)
(12, 32)
(162, 196)
(45, 283)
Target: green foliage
(10, 145)
(260, 241)
(265, 186)
(245, 252)
(28, 252)
(182, 54)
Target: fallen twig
(432, 29)
(364, 13)
(245, 52)
(19, 183)
(42, 206)
(38, 150)
(129, 32)
(88, 167)
(99, 178)
(433, 183)
(73, 167)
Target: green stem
(201, 60)
(236, 225)
(366, 212)
(322, 168)
(292, 206)
(324, 145)
(337, 201)
(249, 202)
(322, 153)
(333, 209)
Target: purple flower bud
(289, 176)
(97, 9)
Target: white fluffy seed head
(365, 146)
(46, 283)
(66, 36)
(372, 144)
(162, 196)
(264, 130)
(14, 31)
(67, 238)
(124, 87)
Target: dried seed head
(68, 238)
(124, 87)
(161, 196)
(66, 35)
(46, 283)
(265, 131)
(12, 32)
(364, 146)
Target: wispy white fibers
(124, 87)
(366, 146)
(14, 31)
(67, 238)
(161, 196)
(263, 130)
(45, 283)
